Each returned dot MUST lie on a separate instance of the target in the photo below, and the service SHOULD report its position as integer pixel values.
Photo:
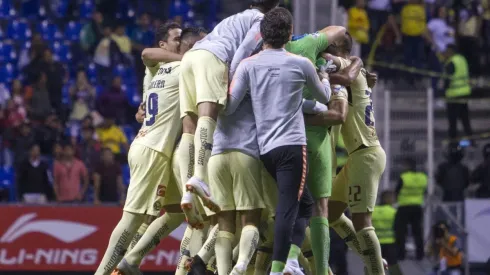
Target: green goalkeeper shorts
(319, 177)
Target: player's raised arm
(336, 113)
(347, 75)
(249, 45)
(151, 56)
(238, 89)
(319, 87)
(333, 33)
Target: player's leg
(320, 184)
(247, 180)
(199, 262)
(288, 165)
(388, 251)
(211, 78)
(366, 167)
(141, 187)
(141, 230)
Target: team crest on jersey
(157, 206)
(161, 190)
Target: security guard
(457, 88)
(383, 219)
(410, 191)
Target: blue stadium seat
(7, 180)
(18, 30)
(61, 8)
(7, 72)
(92, 73)
(7, 53)
(49, 31)
(99, 89)
(61, 52)
(6, 8)
(120, 70)
(126, 174)
(65, 92)
(72, 31)
(133, 96)
(86, 8)
(128, 131)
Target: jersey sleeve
(238, 89)
(249, 45)
(339, 92)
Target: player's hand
(355, 58)
(372, 79)
(323, 75)
(140, 115)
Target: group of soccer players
(248, 163)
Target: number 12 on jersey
(368, 113)
(151, 109)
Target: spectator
(11, 117)
(413, 28)
(88, 149)
(22, 142)
(456, 88)
(113, 102)
(105, 54)
(69, 175)
(452, 175)
(4, 96)
(75, 129)
(32, 178)
(122, 40)
(39, 103)
(83, 97)
(410, 191)
(481, 175)
(142, 35)
(92, 33)
(448, 248)
(18, 96)
(57, 152)
(111, 136)
(486, 29)
(108, 181)
(50, 133)
(34, 52)
(469, 29)
(55, 73)
(358, 26)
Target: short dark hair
(190, 32)
(265, 5)
(276, 27)
(162, 32)
(347, 42)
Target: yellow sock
(197, 241)
(224, 242)
(185, 157)
(119, 241)
(184, 251)
(158, 229)
(137, 237)
(371, 251)
(345, 229)
(203, 141)
(248, 243)
(207, 250)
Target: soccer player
(319, 179)
(276, 80)
(150, 153)
(357, 183)
(203, 90)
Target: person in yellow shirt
(112, 137)
(122, 40)
(358, 25)
(413, 29)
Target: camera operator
(447, 248)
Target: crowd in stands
(70, 83)
(421, 31)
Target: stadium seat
(126, 174)
(128, 131)
(6, 9)
(7, 53)
(92, 73)
(61, 52)
(86, 9)
(72, 31)
(7, 180)
(120, 70)
(7, 72)
(48, 31)
(18, 30)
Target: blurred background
(70, 83)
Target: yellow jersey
(413, 19)
(162, 124)
(358, 129)
(358, 24)
(112, 138)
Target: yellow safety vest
(383, 218)
(413, 189)
(459, 85)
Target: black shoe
(198, 267)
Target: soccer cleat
(201, 189)
(196, 266)
(238, 269)
(192, 216)
(385, 264)
(123, 268)
(292, 269)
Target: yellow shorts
(357, 183)
(150, 174)
(234, 180)
(269, 191)
(203, 78)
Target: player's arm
(347, 75)
(319, 87)
(335, 115)
(151, 56)
(249, 45)
(238, 89)
(333, 33)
